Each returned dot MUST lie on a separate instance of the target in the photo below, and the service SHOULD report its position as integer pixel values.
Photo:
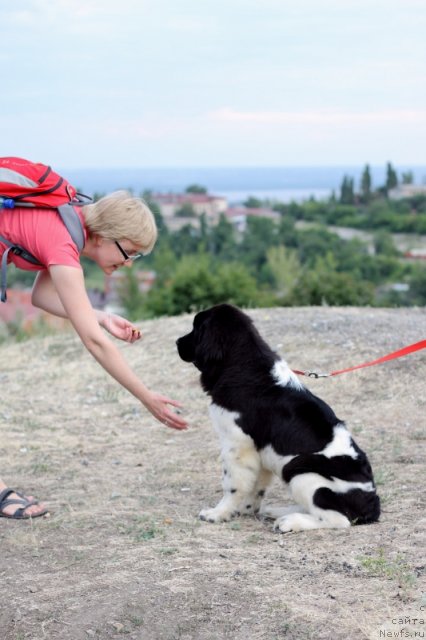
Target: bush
(197, 285)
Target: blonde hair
(121, 216)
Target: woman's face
(110, 255)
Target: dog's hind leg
(272, 513)
(241, 469)
(304, 521)
(303, 488)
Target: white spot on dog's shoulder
(284, 376)
(225, 424)
(341, 444)
(222, 416)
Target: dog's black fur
(291, 430)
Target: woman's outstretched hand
(158, 405)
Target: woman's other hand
(120, 327)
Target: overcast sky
(139, 83)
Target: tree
(186, 211)
(156, 211)
(418, 287)
(347, 195)
(384, 244)
(196, 188)
(366, 184)
(197, 285)
(164, 264)
(285, 267)
(407, 177)
(253, 203)
(325, 285)
(261, 233)
(221, 242)
(391, 177)
(130, 296)
(316, 242)
(186, 241)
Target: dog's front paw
(250, 509)
(214, 515)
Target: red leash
(391, 356)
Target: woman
(118, 229)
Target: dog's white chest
(226, 427)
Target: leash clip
(314, 374)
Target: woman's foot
(19, 507)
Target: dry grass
(124, 555)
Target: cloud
(323, 117)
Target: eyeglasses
(125, 254)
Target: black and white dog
(269, 423)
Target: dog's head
(217, 333)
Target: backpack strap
(71, 220)
(18, 251)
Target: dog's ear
(211, 342)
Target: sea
(276, 184)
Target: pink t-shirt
(42, 233)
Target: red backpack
(32, 184)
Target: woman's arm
(63, 293)
(44, 296)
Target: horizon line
(242, 166)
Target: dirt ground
(123, 554)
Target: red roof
(181, 198)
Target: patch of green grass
(141, 529)
(383, 476)
(255, 538)
(31, 424)
(109, 394)
(357, 429)
(167, 551)
(41, 468)
(419, 434)
(390, 568)
(18, 330)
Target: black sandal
(19, 514)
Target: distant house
(176, 223)
(175, 208)
(238, 215)
(407, 191)
(416, 254)
(19, 308)
(200, 203)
